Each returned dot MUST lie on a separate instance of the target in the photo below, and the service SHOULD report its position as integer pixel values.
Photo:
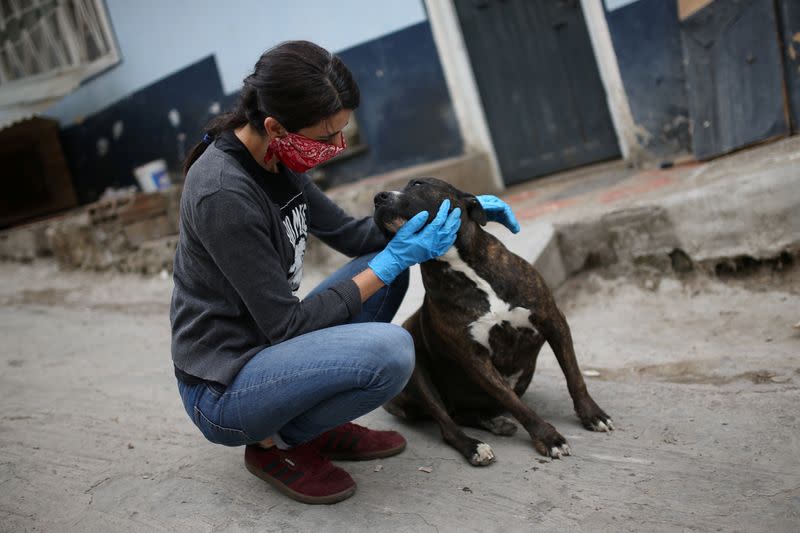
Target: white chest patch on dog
(499, 310)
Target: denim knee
(395, 356)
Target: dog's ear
(475, 209)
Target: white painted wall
(157, 38)
(611, 5)
(617, 98)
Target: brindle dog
(486, 314)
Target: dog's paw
(604, 424)
(482, 455)
(593, 418)
(500, 425)
(550, 442)
(556, 452)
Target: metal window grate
(52, 45)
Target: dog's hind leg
(403, 406)
(476, 452)
(556, 331)
(499, 425)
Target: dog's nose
(381, 198)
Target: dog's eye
(414, 183)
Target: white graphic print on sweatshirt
(294, 221)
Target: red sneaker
(301, 473)
(351, 442)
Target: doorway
(539, 84)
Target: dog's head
(394, 208)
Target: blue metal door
(735, 75)
(539, 83)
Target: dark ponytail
(297, 83)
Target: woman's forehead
(330, 125)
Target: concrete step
(749, 212)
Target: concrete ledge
(538, 244)
(756, 214)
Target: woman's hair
(297, 82)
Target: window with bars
(48, 47)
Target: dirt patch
(688, 372)
(48, 296)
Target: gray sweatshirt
(239, 260)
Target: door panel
(539, 83)
(734, 74)
(789, 14)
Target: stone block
(24, 243)
(148, 229)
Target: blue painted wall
(157, 37)
(405, 117)
(103, 150)
(647, 41)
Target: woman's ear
(475, 209)
(274, 128)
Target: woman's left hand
(499, 211)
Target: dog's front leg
(476, 452)
(556, 331)
(546, 439)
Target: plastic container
(152, 176)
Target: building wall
(406, 116)
(160, 121)
(157, 38)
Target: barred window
(48, 47)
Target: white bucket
(152, 176)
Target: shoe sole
(293, 494)
(380, 454)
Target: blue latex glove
(499, 211)
(410, 245)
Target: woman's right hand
(412, 245)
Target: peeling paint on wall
(174, 118)
(102, 146)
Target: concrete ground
(701, 376)
(702, 379)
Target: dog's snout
(381, 198)
(385, 197)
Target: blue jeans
(302, 387)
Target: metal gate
(538, 80)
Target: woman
(256, 366)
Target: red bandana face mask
(301, 153)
